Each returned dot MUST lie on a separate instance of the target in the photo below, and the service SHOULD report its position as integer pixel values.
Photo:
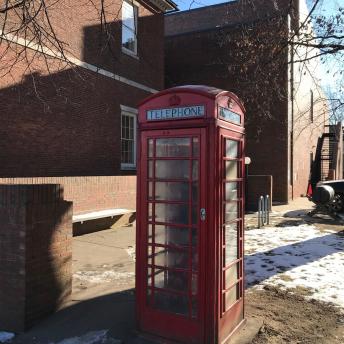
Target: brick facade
(213, 46)
(35, 253)
(90, 193)
(257, 186)
(66, 120)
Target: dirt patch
(289, 318)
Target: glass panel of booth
(231, 228)
(172, 235)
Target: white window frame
(135, 7)
(131, 112)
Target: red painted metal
(189, 269)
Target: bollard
(267, 209)
(263, 211)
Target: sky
(327, 6)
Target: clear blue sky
(327, 6)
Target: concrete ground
(101, 308)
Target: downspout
(291, 176)
(292, 122)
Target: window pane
(231, 169)
(194, 259)
(195, 170)
(194, 215)
(128, 39)
(172, 213)
(231, 275)
(150, 168)
(231, 242)
(194, 307)
(172, 191)
(150, 233)
(127, 139)
(231, 296)
(150, 148)
(172, 169)
(231, 211)
(173, 147)
(232, 148)
(167, 235)
(178, 304)
(149, 276)
(194, 282)
(231, 191)
(150, 255)
(175, 280)
(195, 147)
(195, 192)
(128, 16)
(171, 258)
(150, 212)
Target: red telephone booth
(190, 215)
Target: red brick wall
(65, 121)
(35, 253)
(63, 124)
(90, 193)
(266, 133)
(230, 13)
(257, 186)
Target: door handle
(203, 214)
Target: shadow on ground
(108, 319)
(261, 266)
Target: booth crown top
(208, 91)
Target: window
(128, 137)
(129, 27)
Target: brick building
(243, 46)
(78, 118)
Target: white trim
(135, 10)
(129, 109)
(47, 51)
(130, 53)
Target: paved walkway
(101, 309)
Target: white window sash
(129, 11)
(130, 112)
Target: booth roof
(207, 91)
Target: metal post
(267, 207)
(260, 212)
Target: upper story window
(129, 27)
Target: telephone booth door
(231, 252)
(173, 179)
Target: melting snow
(103, 276)
(297, 257)
(6, 336)
(94, 337)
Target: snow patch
(6, 336)
(131, 252)
(94, 337)
(103, 276)
(297, 257)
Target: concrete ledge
(94, 215)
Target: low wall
(35, 253)
(90, 193)
(257, 186)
